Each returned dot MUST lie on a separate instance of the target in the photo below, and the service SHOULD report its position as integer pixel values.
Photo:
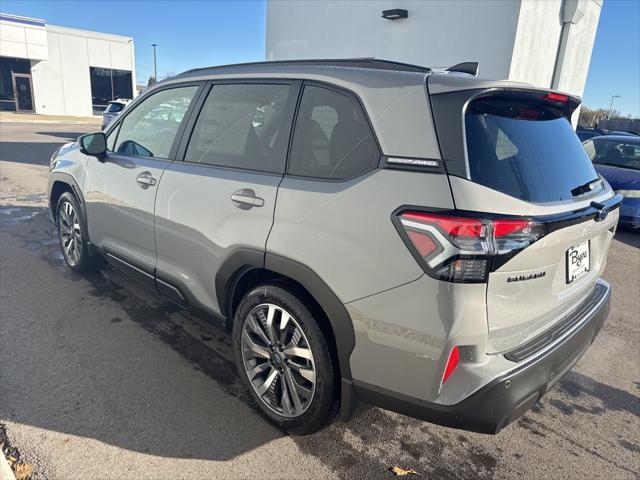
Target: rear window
(525, 149)
(114, 107)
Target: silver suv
(369, 232)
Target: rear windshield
(114, 107)
(527, 150)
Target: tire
(300, 360)
(72, 235)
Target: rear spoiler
(466, 67)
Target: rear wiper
(585, 188)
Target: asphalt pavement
(103, 379)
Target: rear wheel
(284, 360)
(73, 236)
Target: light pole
(613, 97)
(155, 65)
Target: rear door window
(332, 138)
(525, 150)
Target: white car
(113, 110)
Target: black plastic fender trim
(63, 177)
(243, 260)
(334, 309)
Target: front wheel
(73, 236)
(285, 360)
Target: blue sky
(615, 61)
(198, 33)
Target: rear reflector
(423, 243)
(452, 363)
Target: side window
(241, 126)
(150, 129)
(111, 138)
(332, 138)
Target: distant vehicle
(587, 133)
(112, 111)
(620, 133)
(617, 159)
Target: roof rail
(336, 62)
(466, 67)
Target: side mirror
(94, 144)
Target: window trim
(148, 94)
(348, 93)
(296, 87)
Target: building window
(108, 84)
(9, 66)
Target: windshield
(526, 150)
(616, 153)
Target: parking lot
(100, 378)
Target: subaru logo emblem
(603, 211)
(602, 214)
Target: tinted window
(241, 126)
(150, 128)
(332, 138)
(603, 151)
(7, 67)
(108, 84)
(525, 150)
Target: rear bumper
(507, 397)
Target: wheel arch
(246, 268)
(60, 183)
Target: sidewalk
(33, 118)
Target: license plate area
(578, 260)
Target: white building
(544, 42)
(62, 71)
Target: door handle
(245, 199)
(145, 180)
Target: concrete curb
(5, 470)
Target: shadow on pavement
(70, 136)
(33, 153)
(630, 237)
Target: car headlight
(54, 157)
(629, 193)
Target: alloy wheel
(70, 233)
(278, 360)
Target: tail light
(556, 97)
(464, 249)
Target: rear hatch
(517, 157)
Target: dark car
(617, 159)
(585, 134)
